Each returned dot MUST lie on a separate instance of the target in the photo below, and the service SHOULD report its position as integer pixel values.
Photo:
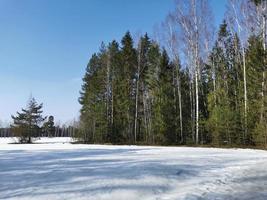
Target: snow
(56, 169)
(7, 140)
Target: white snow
(55, 169)
(8, 140)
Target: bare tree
(171, 41)
(237, 19)
(191, 19)
(246, 18)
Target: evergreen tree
(188, 127)
(131, 95)
(220, 97)
(93, 115)
(49, 127)
(27, 122)
(255, 56)
(164, 112)
(114, 62)
(143, 80)
(124, 99)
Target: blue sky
(45, 46)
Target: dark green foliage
(49, 127)
(124, 90)
(130, 95)
(92, 98)
(225, 97)
(168, 108)
(255, 68)
(257, 2)
(27, 122)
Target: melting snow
(55, 169)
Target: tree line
(59, 131)
(30, 123)
(188, 85)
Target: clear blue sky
(45, 46)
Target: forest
(150, 100)
(189, 84)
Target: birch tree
(239, 18)
(190, 17)
(171, 40)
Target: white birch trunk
(264, 7)
(137, 93)
(245, 93)
(265, 68)
(197, 107)
(180, 112)
(196, 68)
(108, 90)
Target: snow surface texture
(43, 140)
(59, 170)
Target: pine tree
(93, 111)
(27, 122)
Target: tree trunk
(196, 62)
(136, 109)
(245, 94)
(137, 94)
(145, 114)
(197, 107)
(180, 101)
(180, 113)
(264, 47)
(192, 103)
(93, 131)
(108, 93)
(175, 101)
(112, 106)
(264, 84)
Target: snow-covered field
(56, 169)
(44, 140)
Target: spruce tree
(114, 62)
(255, 56)
(130, 95)
(124, 99)
(220, 122)
(49, 127)
(166, 102)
